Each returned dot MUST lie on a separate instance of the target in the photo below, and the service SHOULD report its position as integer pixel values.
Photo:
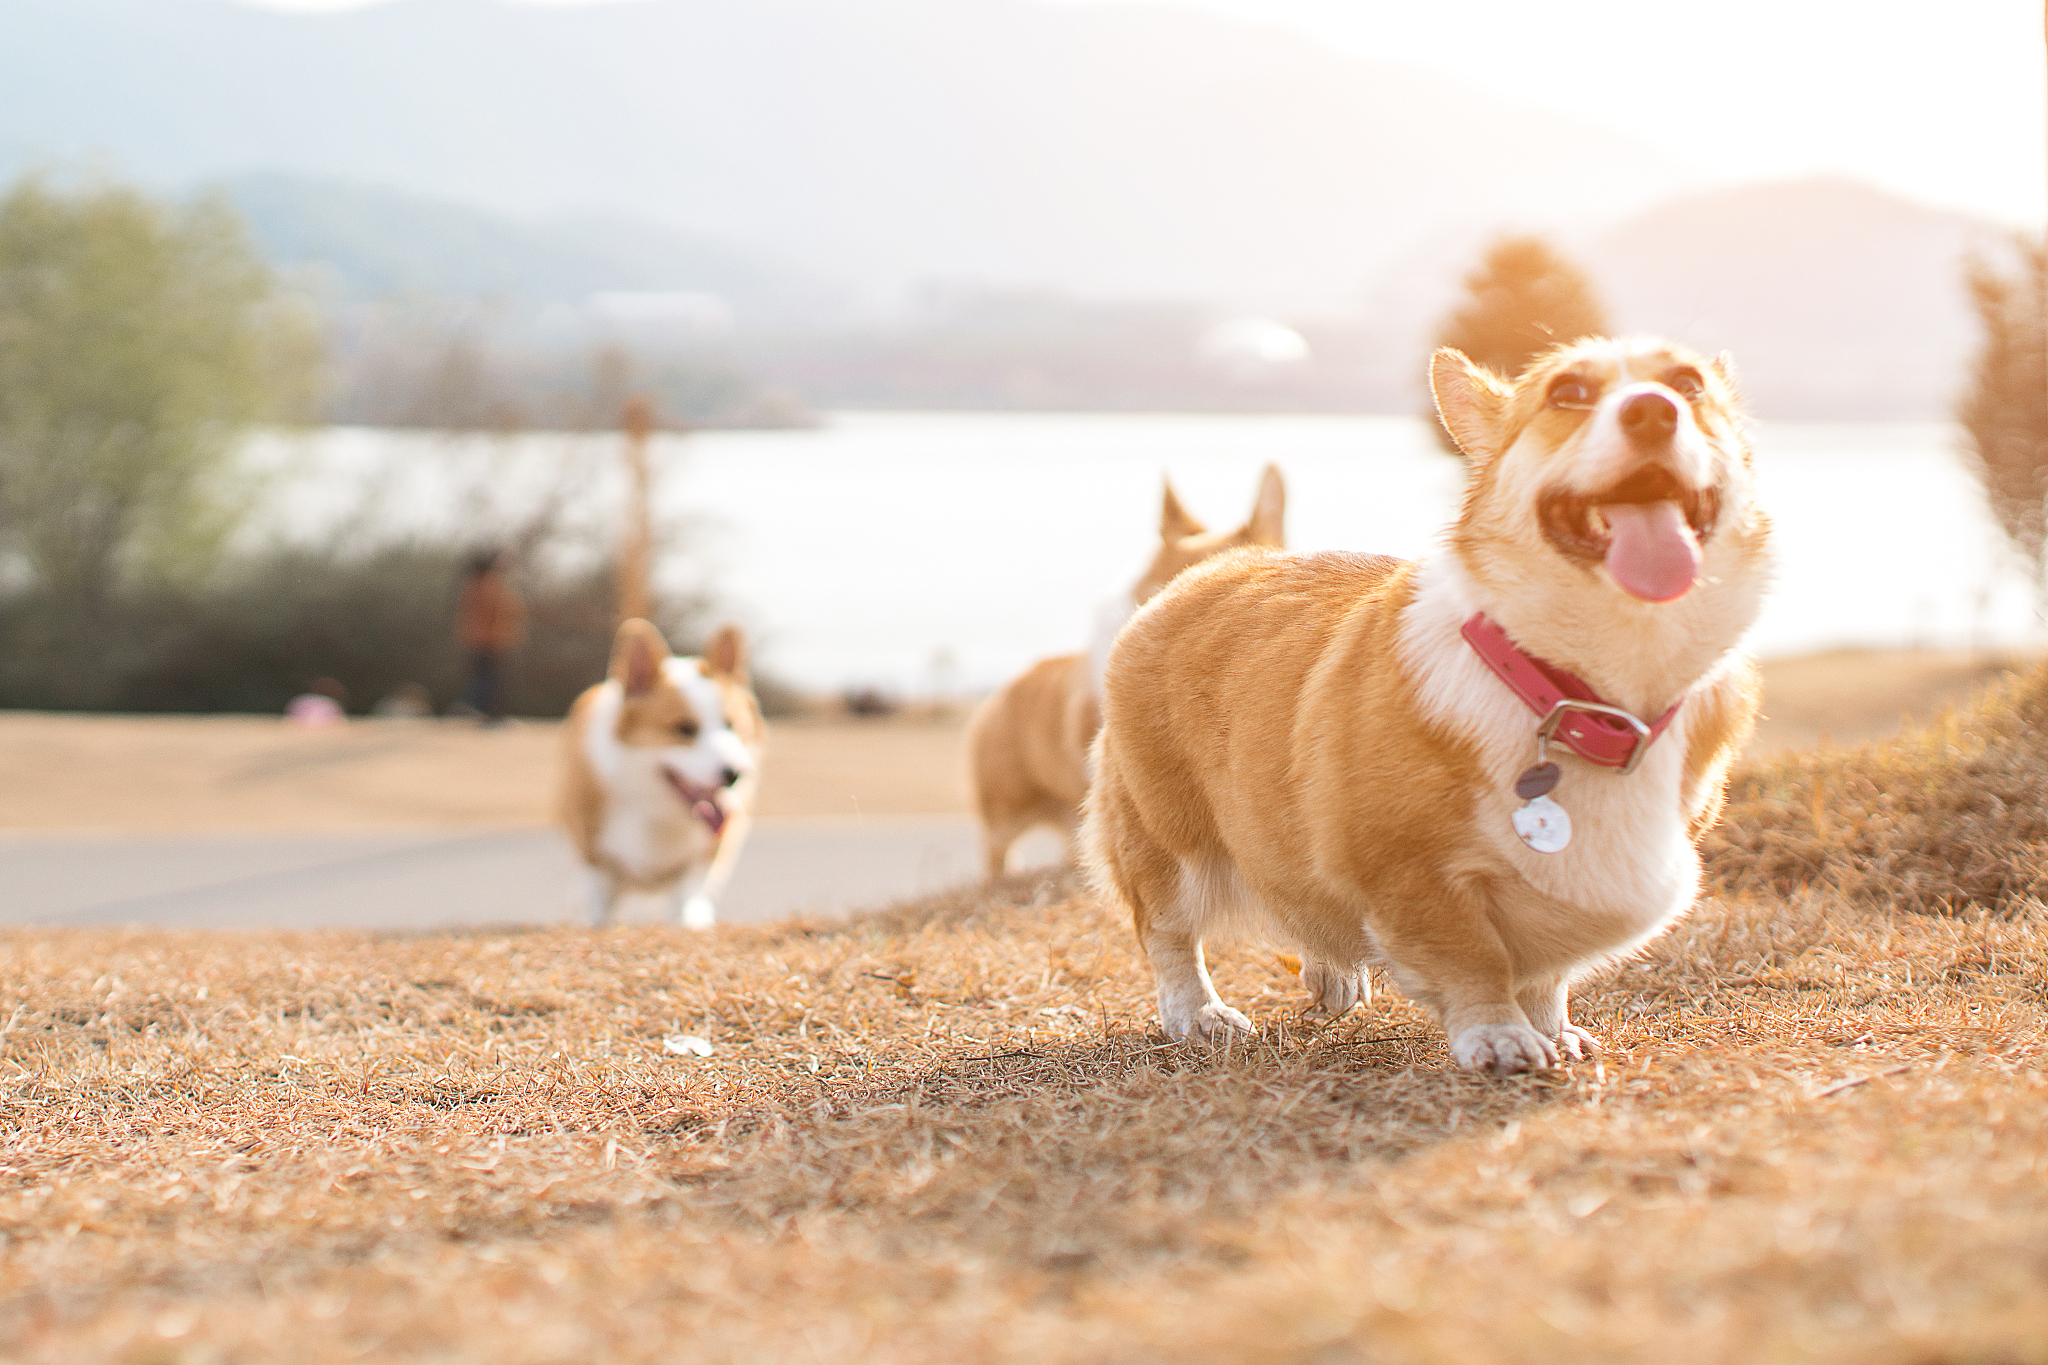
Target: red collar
(1594, 737)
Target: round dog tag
(1543, 825)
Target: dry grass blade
(1850, 1084)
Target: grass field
(950, 1131)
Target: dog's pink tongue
(712, 814)
(1652, 553)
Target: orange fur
(1304, 746)
(1027, 745)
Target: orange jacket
(490, 616)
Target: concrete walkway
(441, 879)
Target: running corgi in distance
(1027, 745)
(1486, 770)
(659, 765)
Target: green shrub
(139, 340)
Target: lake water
(922, 550)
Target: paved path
(439, 879)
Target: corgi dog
(1027, 745)
(659, 765)
(1486, 770)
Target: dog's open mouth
(1647, 530)
(703, 801)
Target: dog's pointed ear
(1269, 513)
(637, 655)
(725, 653)
(1723, 364)
(1174, 522)
(1470, 399)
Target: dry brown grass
(949, 1133)
(1951, 816)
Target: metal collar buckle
(1548, 729)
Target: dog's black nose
(1648, 419)
(732, 775)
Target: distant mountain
(369, 243)
(1109, 149)
(1838, 300)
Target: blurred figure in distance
(490, 622)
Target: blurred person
(490, 622)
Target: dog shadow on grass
(1384, 1071)
(1085, 1138)
(1072, 1155)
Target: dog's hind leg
(600, 896)
(997, 834)
(1000, 833)
(996, 773)
(1173, 904)
(1189, 1007)
(1335, 989)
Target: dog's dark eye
(687, 729)
(1688, 385)
(1571, 392)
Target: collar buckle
(1547, 730)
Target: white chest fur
(645, 831)
(1630, 868)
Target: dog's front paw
(1333, 990)
(1503, 1049)
(1213, 1024)
(1577, 1043)
(699, 913)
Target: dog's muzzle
(702, 801)
(1572, 522)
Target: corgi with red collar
(1487, 770)
(1027, 745)
(659, 764)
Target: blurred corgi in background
(1027, 745)
(659, 765)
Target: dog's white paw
(1504, 1049)
(1212, 1024)
(1333, 990)
(699, 913)
(1577, 1043)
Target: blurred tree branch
(2005, 410)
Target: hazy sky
(1943, 102)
